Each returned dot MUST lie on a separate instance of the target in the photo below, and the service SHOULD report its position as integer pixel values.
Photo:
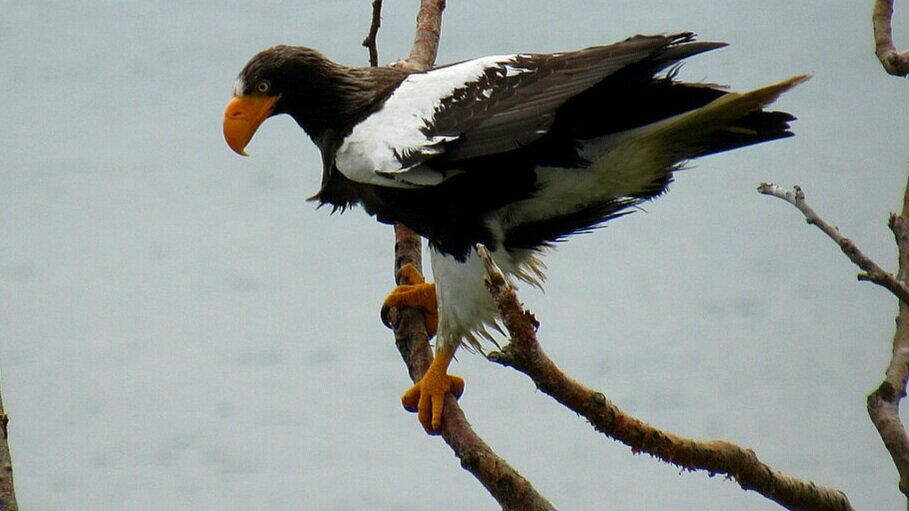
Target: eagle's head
(284, 79)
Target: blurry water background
(180, 330)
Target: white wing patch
(376, 148)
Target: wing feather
(486, 106)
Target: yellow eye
(263, 86)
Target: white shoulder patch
(376, 149)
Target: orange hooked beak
(242, 118)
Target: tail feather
(732, 120)
(631, 132)
(639, 162)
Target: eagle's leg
(427, 396)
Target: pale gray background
(181, 331)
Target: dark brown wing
(487, 106)
(511, 106)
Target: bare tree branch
(525, 354)
(894, 62)
(884, 402)
(370, 41)
(511, 490)
(873, 272)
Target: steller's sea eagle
(515, 152)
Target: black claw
(384, 315)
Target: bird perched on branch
(515, 152)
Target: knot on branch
(887, 393)
(511, 355)
(899, 226)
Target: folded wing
(486, 106)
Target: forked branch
(883, 403)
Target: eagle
(515, 152)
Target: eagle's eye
(263, 86)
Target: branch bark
(426, 40)
(511, 490)
(525, 354)
(7, 491)
(894, 62)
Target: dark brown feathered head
(318, 93)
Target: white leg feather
(466, 311)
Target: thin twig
(873, 272)
(894, 62)
(370, 41)
(525, 354)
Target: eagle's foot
(416, 293)
(427, 396)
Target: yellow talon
(410, 275)
(416, 293)
(427, 396)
